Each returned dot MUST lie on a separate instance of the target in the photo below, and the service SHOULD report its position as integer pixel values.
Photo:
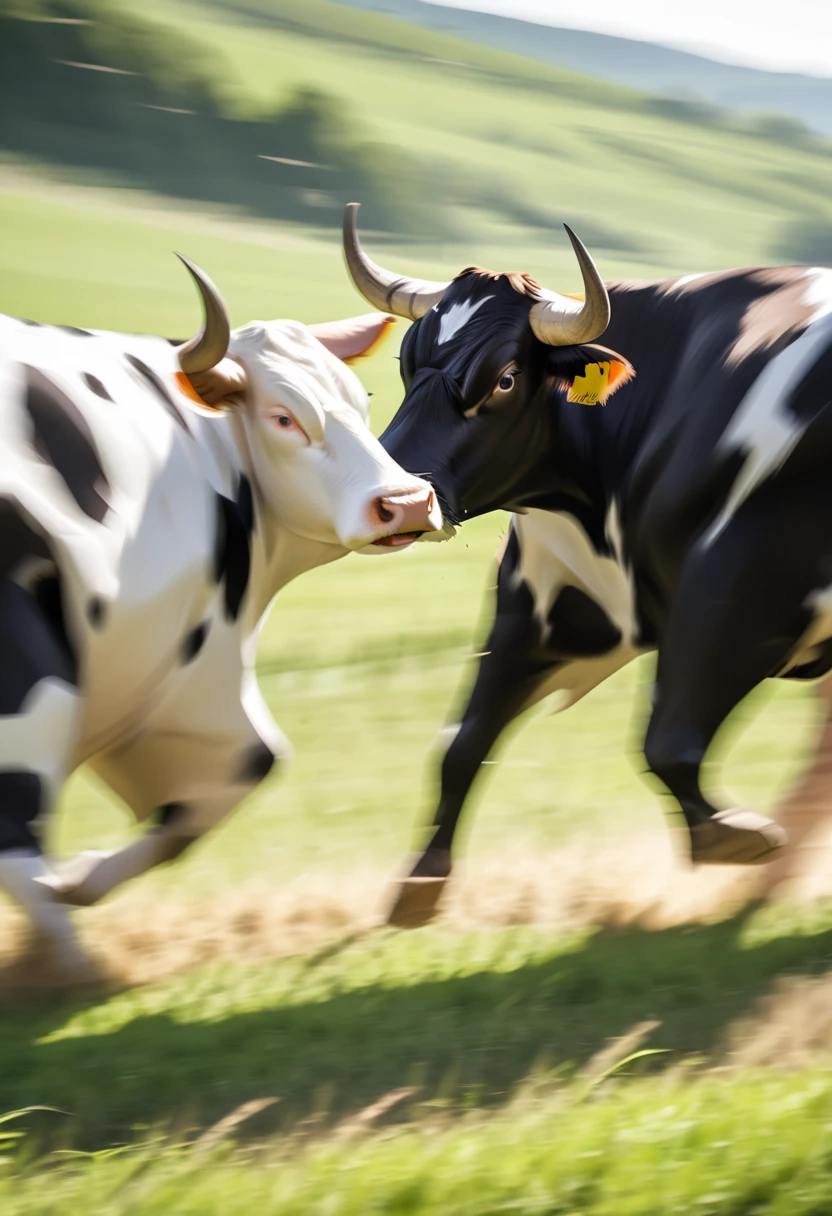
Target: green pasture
(493, 1034)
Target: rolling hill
(657, 69)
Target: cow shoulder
(582, 595)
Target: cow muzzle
(396, 520)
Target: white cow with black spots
(143, 538)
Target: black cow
(693, 516)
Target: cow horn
(209, 347)
(559, 321)
(410, 298)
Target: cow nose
(407, 512)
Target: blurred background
(235, 132)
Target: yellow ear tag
(589, 388)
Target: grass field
(476, 1066)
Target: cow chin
(405, 540)
(446, 532)
(390, 544)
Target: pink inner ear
(353, 337)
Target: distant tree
(806, 242)
(779, 127)
(686, 109)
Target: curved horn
(207, 348)
(559, 321)
(410, 298)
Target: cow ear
(356, 337)
(589, 373)
(224, 384)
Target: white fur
(457, 316)
(763, 425)
(555, 552)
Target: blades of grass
(636, 1055)
(28, 1110)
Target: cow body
(692, 515)
(144, 538)
(702, 439)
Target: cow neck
(596, 449)
(278, 555)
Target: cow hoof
(415, 902)
(77, 973)
(736, 838)
(69, 883)
(63, 965)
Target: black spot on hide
(170, 812)
(232, 550)
(257, 764)
(33, 641)
(34, 324)
(149, 376)
(20, 799)
(95, 386)
(245, 504)
(18, 541)
(193, 643)
(167, 817)
(63, 439)
(95, 612)
(48, 595)
(579, 627)
(73, 329)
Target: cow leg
(39, 716)
(506, 683)
(91, 876)
(183, 784)
(736, 617)
(523, 661)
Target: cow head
(485, 368)
(302, 418)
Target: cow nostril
(431, 502)
(384, 513)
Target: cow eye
(507, 381)
(285, 421)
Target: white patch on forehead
(452, 321)
(763, 425)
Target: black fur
(20, 804)
(63, 438)
(232, 548)
(257, 764)
(95, 386)
(193, 643)
(96, 612)
(149, 377)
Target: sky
(787, 35)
